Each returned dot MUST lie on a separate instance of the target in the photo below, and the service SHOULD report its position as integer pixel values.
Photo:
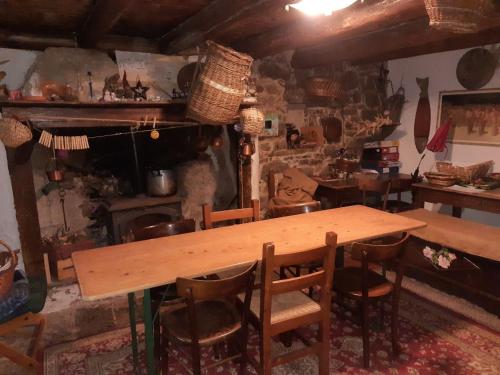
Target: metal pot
(161, 182)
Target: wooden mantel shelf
(59, 114)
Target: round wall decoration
(476, 68)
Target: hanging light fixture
(320, 7)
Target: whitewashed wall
(440, 68)
(19, 63)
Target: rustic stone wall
(281, 90)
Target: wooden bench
(475, 274)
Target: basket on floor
(328, 87)
(14, 133)
(8, 263)
(252, 120)
(458, 16)
(466, 174)
(219, 89)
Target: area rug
(433, 340)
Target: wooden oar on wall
(422, 125)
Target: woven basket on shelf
(466, 174)
(252, 120)
(14, 133)
(324, 87)
(219, 89)
(440, 179)
(8, 263)
(458, 16)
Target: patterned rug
(433, 340)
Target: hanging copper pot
(247, 149)
(217, 142)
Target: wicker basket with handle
(458, 16)
(252, 120)
(14, 133)
(219, 89)
(8, 263)
(466, 174)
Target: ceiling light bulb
(319, 7)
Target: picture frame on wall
(475, 116)
(271, 125)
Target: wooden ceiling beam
(404, 40)
(108, 43)
(355, 20)
(101, 19)
(211, 21)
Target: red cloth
(438, 142)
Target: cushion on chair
(35, 301)
(215, 319)
(285, 306)
(348, 281)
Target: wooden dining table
(139, 266)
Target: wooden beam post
(101, 19)
(353, 21)
(409, 39)
(21, 175)
(212, 21)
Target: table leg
(456, 211)
(133, 331)
(149, 333)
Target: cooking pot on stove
(161, 182)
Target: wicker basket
(440, 179)
(458, 16)
(465, 174)
(13, 133)
(8, 263)
(252, 121)
(219, 89)
(324, 87)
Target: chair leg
(196, 360)
(324, 354)
(366, 338)
(265, 355)
(244, 352)
(395, 326)
(164, 352)
(19, 358)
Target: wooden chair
(27, 316)
(380, 188)
(210, 217)
(294, 209)
(398, 205)
(365, 286)
(163, 229)
(209, 317)
(280, 306)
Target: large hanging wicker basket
(14, 133)
(252, 121)
(8, 263)
(217, 93)
(458, 16)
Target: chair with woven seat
(27, 316)
(280, 306)
(398, 205)
(379, 188)
(209, 316)
(239, 214)
(365, 286)
(296, 209)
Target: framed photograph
(271, 125)
(475, 116)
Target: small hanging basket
(219, 89)
(252, 120)
(327, 87)
(458, 16)
(14, 133)
(8, 263)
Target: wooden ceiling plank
(355, 20)
(101, 19)
(212, 20)
(404, 40)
